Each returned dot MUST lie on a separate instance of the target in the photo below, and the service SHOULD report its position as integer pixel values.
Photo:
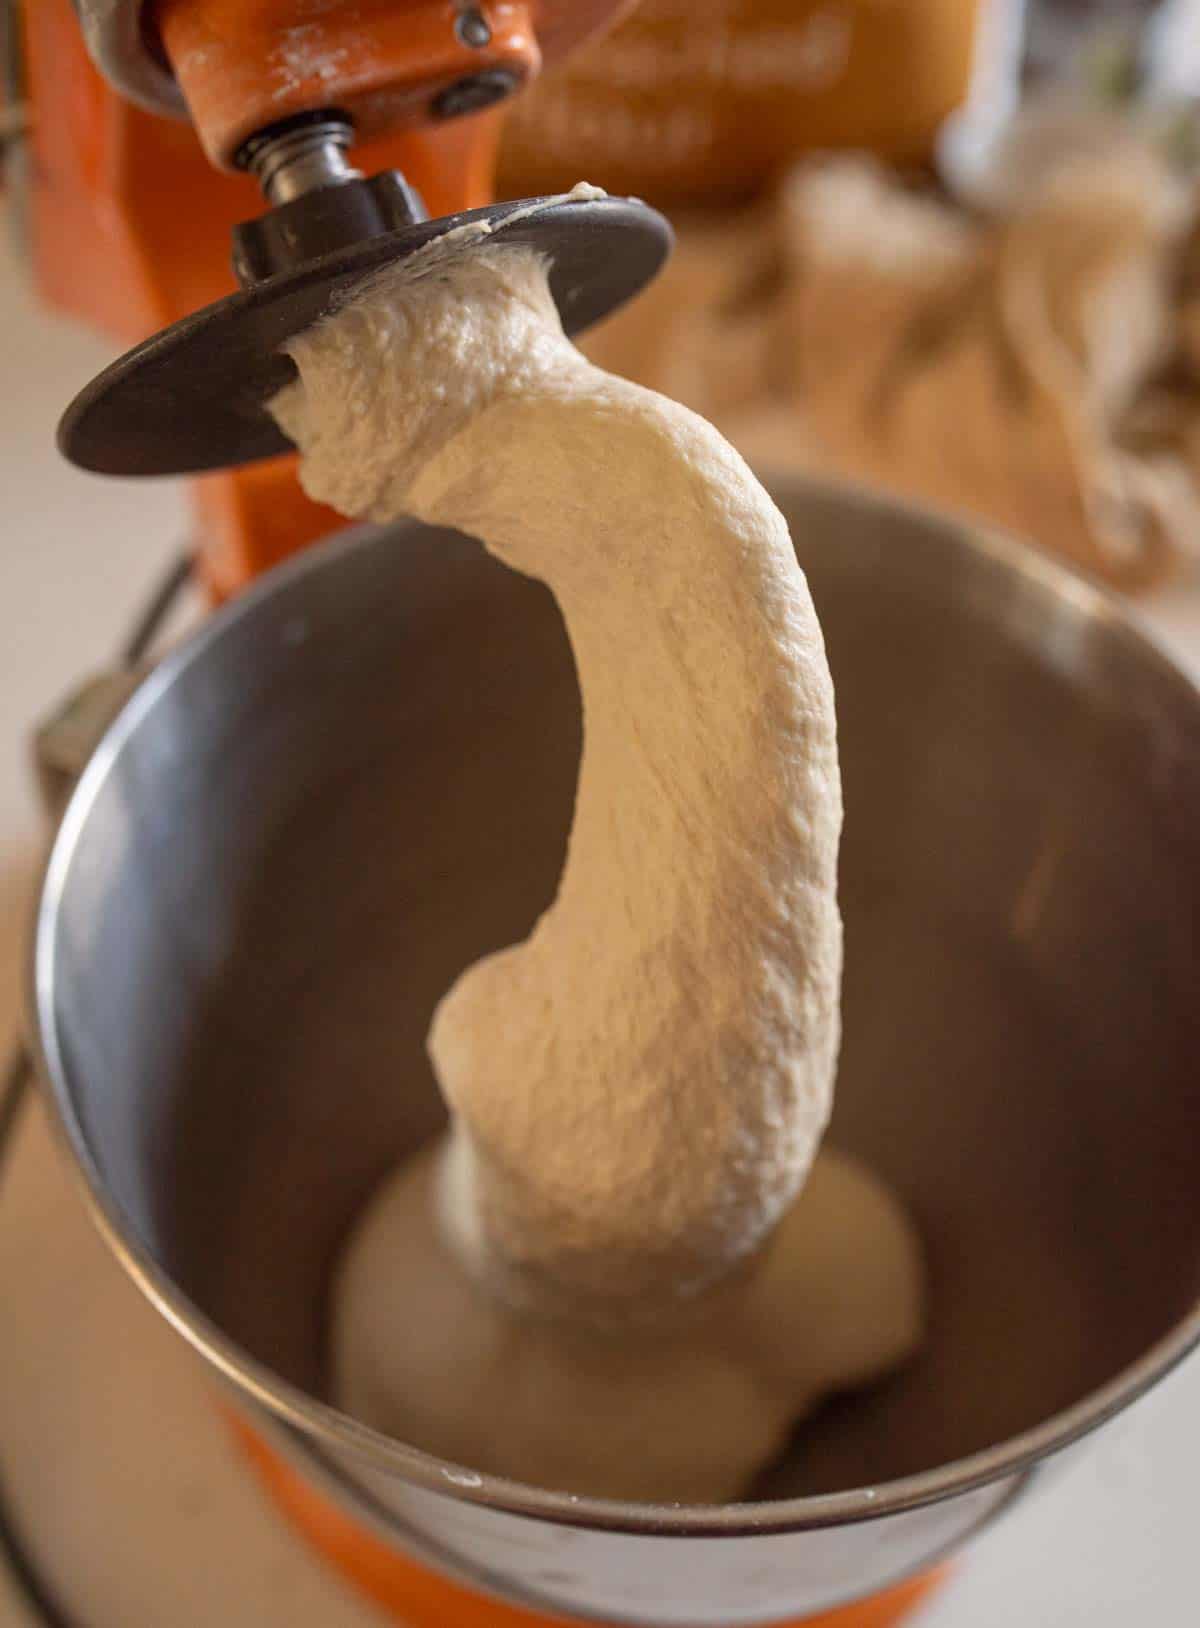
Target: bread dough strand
(638, 1090)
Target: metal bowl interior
(359, 778)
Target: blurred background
(946, 247)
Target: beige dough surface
(686, 1415)
(638, 1090)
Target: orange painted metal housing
(244, 65)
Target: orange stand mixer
(137, 105)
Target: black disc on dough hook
(192, 397)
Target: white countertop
(123, 1478)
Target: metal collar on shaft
(301, 156)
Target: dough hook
(192, 397)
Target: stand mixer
(282, 93)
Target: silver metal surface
(307, 155)
(359, 777)
(119, 37)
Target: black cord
(16, 1081)
(156, 610)
(32, 1586)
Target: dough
(687, 1414)
(603, 1282)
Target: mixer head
(193, 397)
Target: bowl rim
(339, 1433)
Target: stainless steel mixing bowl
(359, 777)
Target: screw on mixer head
(193, 397)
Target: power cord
(32, 1586)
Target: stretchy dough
(603, 1281)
